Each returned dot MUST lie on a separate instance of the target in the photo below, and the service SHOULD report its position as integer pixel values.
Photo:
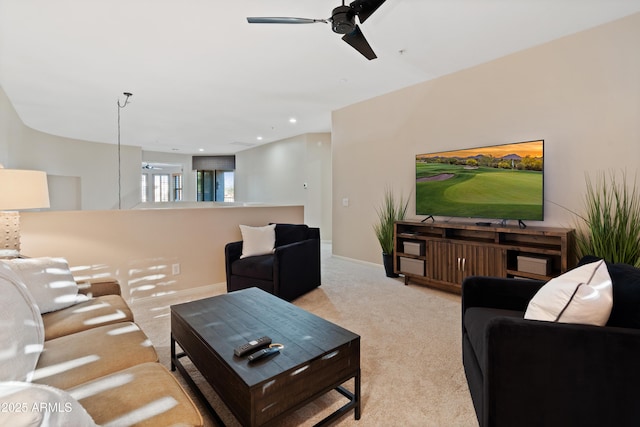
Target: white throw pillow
(258, 240)
(21, 328)
(27, 404)
(49, 280)
(583, 295)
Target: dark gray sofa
(291, 271)
(535, 373)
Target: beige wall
(10, 127)
(277, 173)
(581, 94)
(139, 247)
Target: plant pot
(387, 261)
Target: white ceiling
(203, 78)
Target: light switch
(345, 201)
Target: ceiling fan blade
(282, 20)
(357, 40)
(365, 8)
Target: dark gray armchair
(291, 271)
(537, 373)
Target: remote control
(263, 353)
(243, 349)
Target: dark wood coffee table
(318, 356)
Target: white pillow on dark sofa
(583, 295)
(258, 240)
(49, 280)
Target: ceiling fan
(150, 166)
(342, 22)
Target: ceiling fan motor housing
(343, 20)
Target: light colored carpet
(411, 359)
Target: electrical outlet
(175, 269)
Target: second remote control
(262, 353)
(251, 346)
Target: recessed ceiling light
(200, 149)
(259, 138)
(293, 120)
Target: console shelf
(441, 255)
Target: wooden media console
(441, 255)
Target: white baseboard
(213, 289)
(359, 261)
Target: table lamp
(19, 190)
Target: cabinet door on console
(453, 262)
(446, 261)
(440, 261)
(481, 261)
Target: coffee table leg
(176, 364)
(357, 395)
(354, 402)
(173, 353)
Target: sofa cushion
(21, 328)
(583, 295)
(28, 404)
(144, 395)
(257, 240)
(84, 356)
(256, 267)
(99, 286)
(95, 312)
(291, 233)
(49, 280)
(476, 322)
(626, 293)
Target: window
(161, 182)
(229, 195)
(143, 188)
(161, 188)
(177, 187)
(215, 186)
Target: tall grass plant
(611, 228)
(392, 209)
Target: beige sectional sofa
(84, 362)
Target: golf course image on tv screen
(503, 181)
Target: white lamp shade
(23, 189)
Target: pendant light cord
(126, 101)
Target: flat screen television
(503, 182)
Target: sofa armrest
(233, 250)
(232, 253)
(296, 268)
(560, 374)
(99, 286)
(495, 292)
(314, 233)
